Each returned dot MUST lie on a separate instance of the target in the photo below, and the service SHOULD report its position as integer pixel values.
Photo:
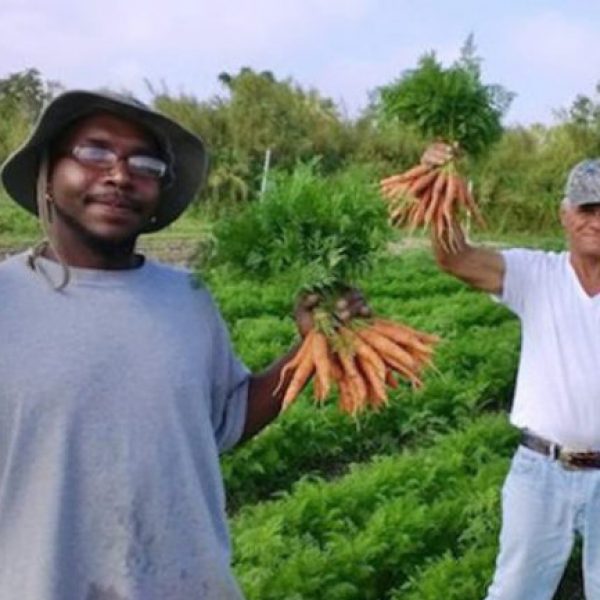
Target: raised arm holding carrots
(480, 267)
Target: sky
(547, 52)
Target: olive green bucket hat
(185, 152)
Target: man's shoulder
(534, 256)
(165, 270)
(176, 277)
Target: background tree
(22, 96)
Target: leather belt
(570, 459)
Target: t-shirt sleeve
(229, 389)
(520, 270)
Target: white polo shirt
(558, 384)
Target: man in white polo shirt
(552, 490)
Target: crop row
(476, 372)
(372, 531)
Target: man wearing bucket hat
(552, 490)
(118, 384)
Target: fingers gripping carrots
(360, 359)
(431, 195)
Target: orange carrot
(400, 336)
(436, 194)
(397, 192)
(336, 368)
(418, 215)
(422, 182)
(355, 380)
(390, 379)
(469, 203)
(318, 389)
(320, 354)
(448, 205)
(404, 371)
(346, 396)
(365, 351)
(387, 181)
(296, 360)
(422, 335)
(374, 382)
(386, 348)
(302, 373)
(414, 172)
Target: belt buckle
(566, 459)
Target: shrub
(328, 229)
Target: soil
(179, 252)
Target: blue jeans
(543, 506)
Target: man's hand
(351, 304)
(264, 403)
(439, 153)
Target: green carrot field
(403, 504)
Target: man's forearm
(263, 404)
(479, 267)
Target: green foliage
(258, 113)
(520, 184)
(296, 124)
(368, 532)
(387, 146)
(451, 104)
(476, 362)
(15, 222)
(329, 229)
(22, 96)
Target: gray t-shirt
(116, 396)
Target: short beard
(109, 248)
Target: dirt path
(174, 251)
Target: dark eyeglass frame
(138, 164)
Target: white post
(470, 188)
(263, 185)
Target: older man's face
(582, 228)
(109, 204)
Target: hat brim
(187, 152)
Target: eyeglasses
(140, 165)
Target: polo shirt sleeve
(520, 273)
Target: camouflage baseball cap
(583, 183)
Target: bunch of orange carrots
(362, 361)
(431, 197)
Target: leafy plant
(327, 229)
(451, 104)
(368, 532)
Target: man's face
(582, 227)
(110, 205)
